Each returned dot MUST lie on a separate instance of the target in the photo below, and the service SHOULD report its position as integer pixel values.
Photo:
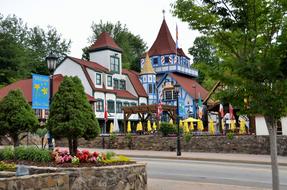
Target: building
(104, 79)
(165, 65)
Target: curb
(205, 159)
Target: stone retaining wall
(239, 144)
(55, 181)
(122, 177)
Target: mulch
(66, 165)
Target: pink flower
(93, 159)
(59, 160)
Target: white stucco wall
(261, 127)
(284, 125)
(102, 57)
(70, 68)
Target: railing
(179, 68)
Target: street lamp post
(176, 90)
(195, 102)
(51, 63)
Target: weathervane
(163, 11)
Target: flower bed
(61, 157)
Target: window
(155, 61)
(122, 84)
(126, 104)
(133, 104)
(111, 106)
(168, 95)
(115, 64)
(143, 104)
(116, 84)
(150, 88)
(119, 107)
(166, 59)
(110, 83)
(98, 79)
(100, 105)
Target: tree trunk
(75, 146)
(70, 146)
(16, 140)
(272, 128)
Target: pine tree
(71, 115)
(16, 116)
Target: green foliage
(115, 159)
(205, 59)
(7, 167)
(75, 160)
(132, 45)
(187, 137)
(71, 115)
(41, 132)
(110, 155)
(23, 49)
(32, 154)
(112, 137)
(167, 128)
(230, 135)
(16, 116)
(251, 43)
(7, 153)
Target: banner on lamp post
(40, 91)
(181, 107)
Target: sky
(73, 18)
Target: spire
(164, 44)
(147, 67)
(163, 13)
(105, 41)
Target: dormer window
(115, 64)
(98, 79)
(122, 84)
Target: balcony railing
(178, 68)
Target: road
(187, 173)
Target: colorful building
(164, 65)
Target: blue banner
(40, 91)
(181, 107)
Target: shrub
(7, 153)
(230, 135)
(75, 160)
(109, 155)
(115, 159)
(112, 137)
(187, 137)
(167, 128)
(7, 167)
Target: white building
(105, 80)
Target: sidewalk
(200, 156)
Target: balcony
(176, 68)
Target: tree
(250, 37)
(24, 49)
(204, 59)
(16, 116)
(132, 45)
(71, 115)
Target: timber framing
(145, 111)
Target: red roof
(134, 78)
(105, 41)
(164, 43)
(90, 64)
(190, 86)
(124, 94)
(26, 87)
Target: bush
(7, 167)
(187, 137)
(168, 128)
(112, 137)
(7, 154)
(230, 135)
(109, 155)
